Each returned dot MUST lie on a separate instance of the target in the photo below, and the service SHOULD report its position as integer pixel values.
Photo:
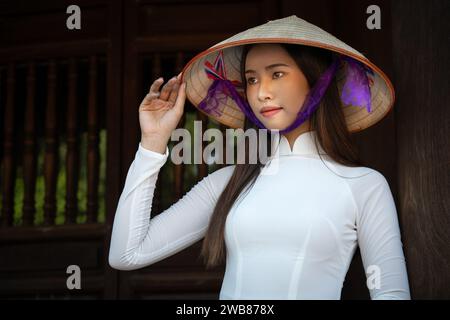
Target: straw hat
(287, 30)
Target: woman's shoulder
(350, 171)
(358, 176)
(362, 180)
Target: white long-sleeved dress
(291, 236)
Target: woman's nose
(265, 90)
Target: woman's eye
(278, 73)
(250, 80)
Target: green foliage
(61, 184)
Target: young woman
(287, 235)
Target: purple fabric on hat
(218, 92)
(356, 91)
(215, 99)
(314, 96)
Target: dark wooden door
(60, 174)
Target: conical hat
(287, 30)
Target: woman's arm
(379, 239)
(137, 241)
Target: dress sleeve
(138, 241)
(379, 239)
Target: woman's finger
(181, 98)
(154, 88)
(174, 92)
(165, 92)
(151, 96)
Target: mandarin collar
(303, 145)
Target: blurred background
(69, 131)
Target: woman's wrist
(154, 143)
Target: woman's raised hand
(160, 112)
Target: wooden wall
(421, 50)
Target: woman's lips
(271, 112)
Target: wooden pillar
(421, 53)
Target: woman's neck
(292, 135)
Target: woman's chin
(275, 124)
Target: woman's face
(274, 80)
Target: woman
(287, 235)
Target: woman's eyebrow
(268, 67)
